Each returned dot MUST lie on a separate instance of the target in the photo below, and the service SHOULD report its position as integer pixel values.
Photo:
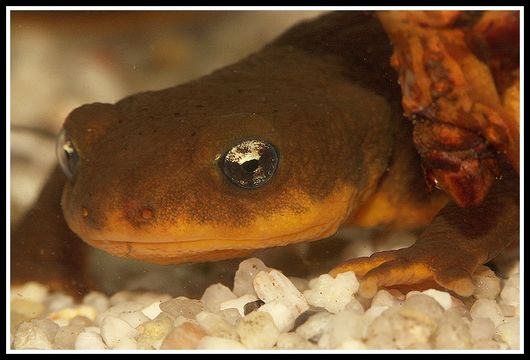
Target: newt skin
(148, 184)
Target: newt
(285, 146)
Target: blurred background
(63, 59)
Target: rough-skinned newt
(285, 146)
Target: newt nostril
(147, 213)
(138, 215)
(84, 211)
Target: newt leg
(44, 249)
(451, 248)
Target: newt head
(255, 155)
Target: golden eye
(67, 154)
(250, 164)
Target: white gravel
(266, 310)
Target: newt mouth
(181, 252)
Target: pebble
(153, 332)
(252, 306)
(97, 300)
(68, 314)
(509, 333)
(283, 315)
(118, 309)
(427, 305)
(485, 345)
(262, 312)
(66, 336)
(244, 277)
(148, 298)
(282, 299)
(384, 298)
(134, 318)
(452, 333)
(211, 342)
(152, 310)
(216, 294)
(352, 344)
(185, 336)
(401, 328)
(257, 331)
(332, 293)
(345, 326)
(182, 306)
(58, 301)
(274, 286)
(487, 308)
(89, 340)
(35, 334)
(231, 315)
(443, 298)
(29, 309)
(292, 340)
(314, 327)
(481, 329)
(510, 293)
(487, 284)
(118, 334)
(32, 291)
(238, 303)
(80, 320)
(215, 325)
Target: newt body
(151, 178)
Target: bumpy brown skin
(149, 186)
(452, 98)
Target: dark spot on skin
(193, 134)
(177, 114)
(199, 106)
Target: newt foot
(412, 267)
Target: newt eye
(67, 154)
(250, 164)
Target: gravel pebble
(215, 325)
(238, 303)
(35, 334)
(185, 336)
(97, 300)
(215, 295)
(262, 311)
(32, 291)
(292, 340)
(244, 277)
(314, 327)
(153, 332)
(509, 333)
(487, 308)
(152, 310)
(182, 306)
(211, 342)
(117, 334)
(282, 299)
(332, 293)
(487, 284)
(66, 336)
(257, 331)
(89, 340)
